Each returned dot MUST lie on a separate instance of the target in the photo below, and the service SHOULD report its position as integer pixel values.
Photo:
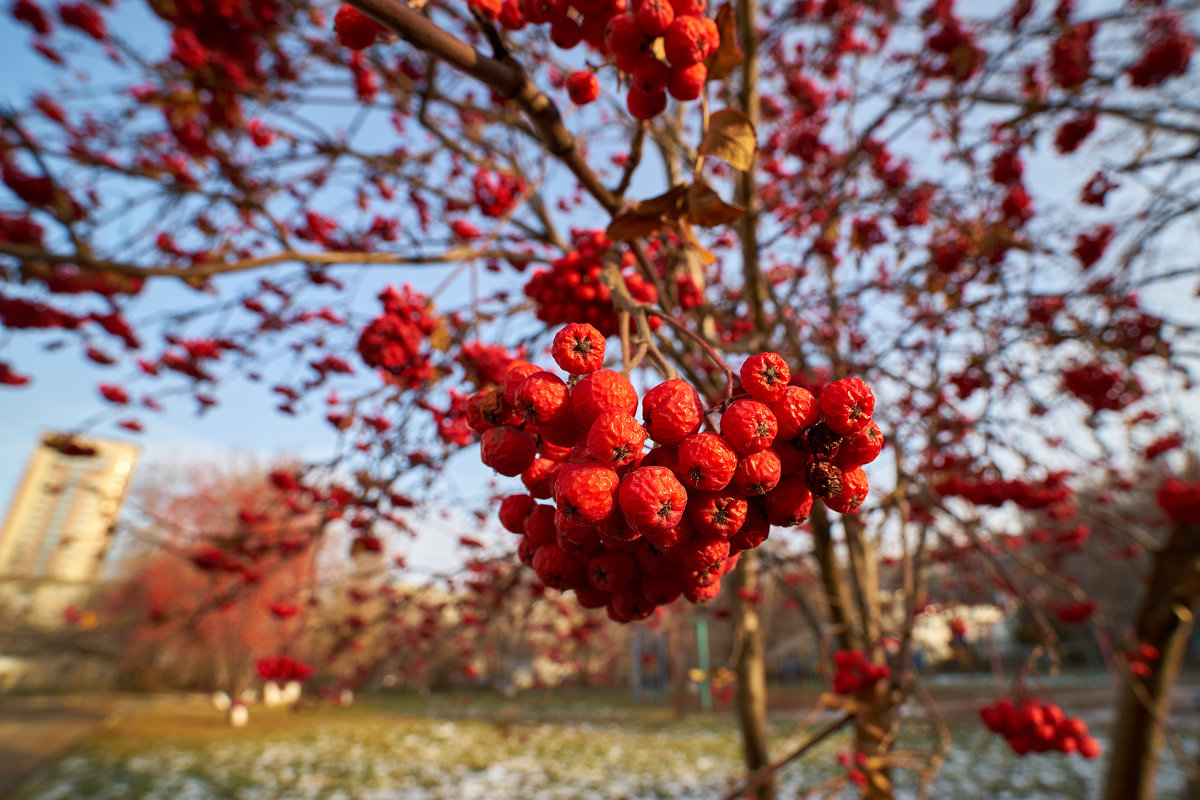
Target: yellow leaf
(707, 209)
(648, 217)
(730, 138)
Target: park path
(37, 731)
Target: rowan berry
(716, 514)
(645, 105)
(685, 41)
(820, 441)
(667, 540)
(539, 478)
(672, 411)
(610, 571)
(517, 372)
(542, 399)
(583, 88)
(539, 524)
(526, 549)
(847, 405)
(556, 568)
(615, 532)
(748, 426)
(650, 75)
(487, 409)
(624, 36)
(513, 510)
(579, 347)
(508, 450)
(652, 499)
(615, 438)
(566, 33)
(628, 605)
(590, 597)
(355, 29)
(860, 447)
(698, 593)
(754, 530)
(853, 492)
(586, 492)
(823, 479)
(766, 376)
(789, 504)
(686, 83)
(689, 8)
(706, 462)
(511, 17)
(795, 410)
(599, 390)
(757, 473)
(661, 590)
(701, 554)
(654, 16)
(585, 535)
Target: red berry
(847, 405)
(716, 514)
(853, 492)
(518, 371)
(652, 499)
(651, 75)
(556, 568)
(539, 525)
(526, 549)
(689, 8)
(861, 447)
(754, 531)
(1089, 747)
(765, 376)
(654, 16)
(542, 399)
(757, 473)
(685, 41)
(624, 36)
(796, 410)
(706, 462)
(599, 390)
(701, 554)
(586, 493)
(686, 83)
(748, 426)
(572, 532)
(789, 504)
(539, 478)
(590, 597)
(355, 29)
(513, 510)
(610, 571)
(672, 411)
(566, 33)
(696, 593)
(645, 105)
(615, 438)
(579, 347)
(508, 450)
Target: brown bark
(833, 582)
(752, 674)
(1163, 622)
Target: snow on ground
(385, 757)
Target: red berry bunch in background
(283, 668)
(855, 674)
(1037, 727)
(397, 341)
(630, 529)
(571, 289)
(355, 29)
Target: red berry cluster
(397, 341)
(1037, 727)
(632, 530)
(355, 29)
(571, 289)
(283, 668)
(855, 673)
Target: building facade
(59, 526)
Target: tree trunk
(1163, 622)
(752, 673)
